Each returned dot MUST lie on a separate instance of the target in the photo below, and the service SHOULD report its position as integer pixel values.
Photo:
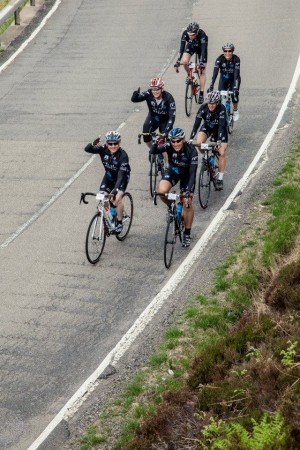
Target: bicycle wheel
(95, 238)
(153, 174)
(127, 216)
(230, 119)
(170, 239)
(204, 186)
(188, 98)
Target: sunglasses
(155, 88)
(176, 141)
(113, 143)
(227, 51)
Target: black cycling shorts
(173, 177)
(151, 124)
(226, 83)
(107, 184)
(213, 133)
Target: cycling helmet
(113, 136)
(228, 45)
(176, 133)
(193, 27)
(156, 83)
(213, 97)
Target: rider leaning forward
(183, 163)
(213, 114)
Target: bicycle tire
(95, 238)
(170, 239)
(127, 216)
(204, 186)
(153, 174)
(188, 100)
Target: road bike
(156, 161)
(208, 171)
(192, 90)
(103, 223)
(226, 99)
(175, 224)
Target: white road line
(143, 320)
(32, 36)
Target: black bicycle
(156, 161)
(175, 224)
(208, 171)
(103, 223)
(227, 102)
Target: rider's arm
(123, 171)
(236, 73)
(192, 169)
(215, 72)
(171, 112)
(183, 41)
(90, 148)
(203, 44)
(139, 96)
(222, 130)
(197, 122)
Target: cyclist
(229, 66)
(161, 105)
(117, 170)
(183, 163)
(194, 40)
(213, 113)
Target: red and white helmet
(156, 83)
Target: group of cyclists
(179, 154)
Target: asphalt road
(60, 316)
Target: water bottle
(179, 210)
(113, 211)
(107, 210)
(228, 106)
(211, 160)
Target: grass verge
(227, 374)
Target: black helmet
(193, 27)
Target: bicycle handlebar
(153, 134)
(84, 194)
(171, 196)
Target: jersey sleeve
(236, 73)
(198, 119)
(193, 169)
(95, 149)
(139, 97)
(171, 112)
(182, 45)
(123, 171)
(216, 71)
(204, 45)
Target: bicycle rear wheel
(153, 174)
(188, 98)
(95, 238)
(127, 216)
(170, 239)
(204, 186)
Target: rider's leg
(185, 60)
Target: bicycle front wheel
(188, 98)
(170, 239)
(153, 174)
(95, 238)
(127, 216)
(204, 187)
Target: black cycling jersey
(198, 45)
(116, 164)
(160, 110)
(214, 122)
(229, 71)
(183, 164)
